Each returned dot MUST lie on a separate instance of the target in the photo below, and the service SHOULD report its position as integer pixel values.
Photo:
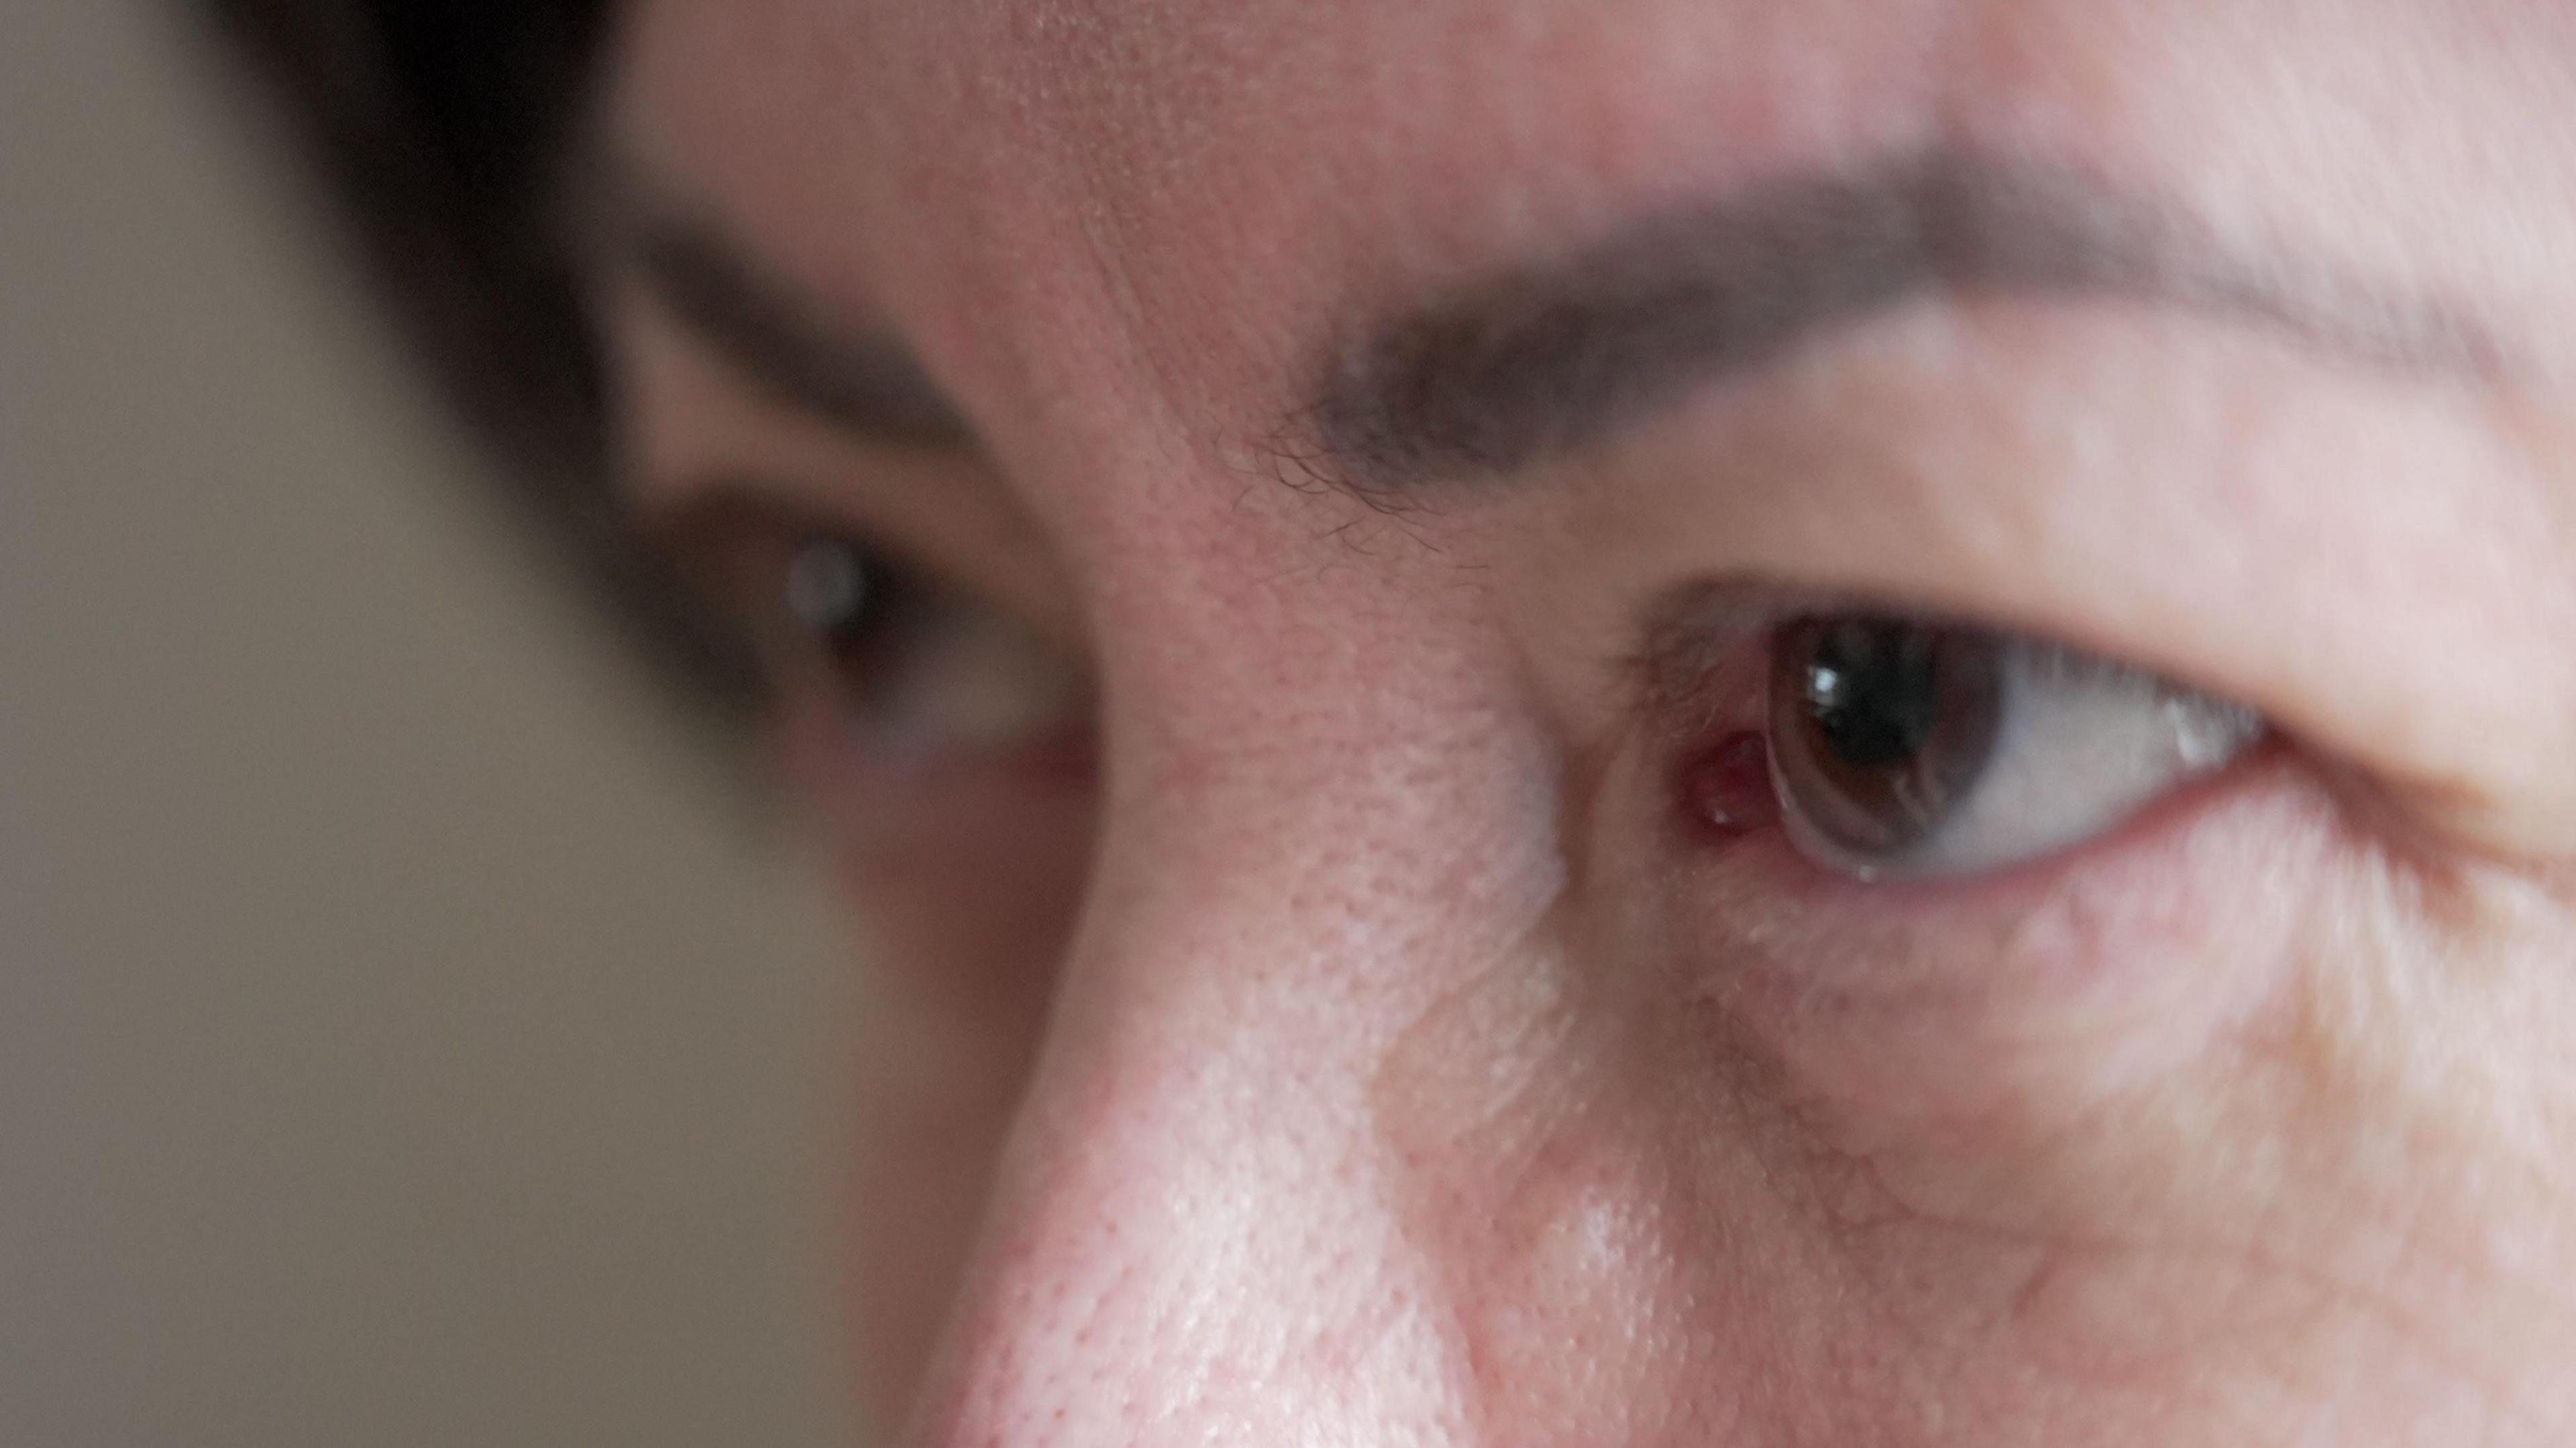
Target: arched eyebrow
(1551, 357)
(864, 382)
(1491, 377)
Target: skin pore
(1412, 424)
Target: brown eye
(1879, 724)
(917, 668)
(844, 605)
(1905, 747)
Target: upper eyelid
(1685, 640)
(725, 507)
(707, 537)
(699, 446)
(690, 423)
(1688, 631)
(718, 503)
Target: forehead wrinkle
(1219, 178)
(1217, 200)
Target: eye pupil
(1905, 747)
(850, 613)
(829, 590)
(1881, 725)
(1874, 691)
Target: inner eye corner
(1724, 790)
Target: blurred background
(410, 1031)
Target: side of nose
(1182, 1256)
(1200, 1234)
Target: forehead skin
(1158, 190)
(1124, 236)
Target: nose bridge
(1194, 1239)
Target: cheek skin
(2231, 1125)
(2222, 1110)
(965, 882)
(1947, 1007)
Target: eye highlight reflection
(919, 670)
(912, 670)
(1906, 749)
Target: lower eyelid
(2176, 808)
(1762, 889)
(2118, 961)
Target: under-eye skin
(1902, 748)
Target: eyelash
(907, 670)
(739, 551)
(1888, 746)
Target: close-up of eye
(916, 669)
(1903, 748)
(921, 670)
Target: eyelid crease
(717, 521)
(1678, 629)
(1686, 635)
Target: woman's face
(1660, 721)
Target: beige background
(405, 1036)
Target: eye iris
(830, 592)
(1873, 691)
(1880, 725)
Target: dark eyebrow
(864, 383)
(1515, 368)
